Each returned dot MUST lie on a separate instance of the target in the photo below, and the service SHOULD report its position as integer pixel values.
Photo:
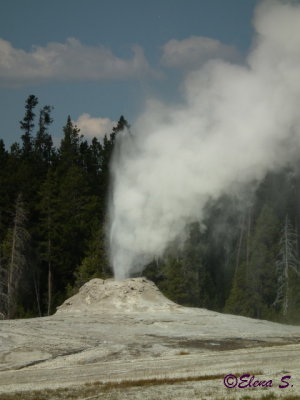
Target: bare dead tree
(49, 261)
(3, 283)
(3, 288)
(15, 257)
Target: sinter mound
(128, 295)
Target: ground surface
(124, 340)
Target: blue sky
(98, 59)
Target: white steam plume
(236, 124)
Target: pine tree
(261, 274)
(96, 263)
(238, 299)
(70, 144)
(287, 264)
(106, 153)
(49, 225)
(43, 144)
(5, 180)
(77, 211)
(27, 124)
(253, 288)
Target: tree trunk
(239, 249)
(11, 271)
(49, 288)
(248, 244)
(37, 295)
(49, 249)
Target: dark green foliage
(231, 265)
(96, 262)
(64, 192)
(27, 124)
(254, 289)
(14, 261)
(287, 272)
(43, 144)
(70, 144)
(234, 262)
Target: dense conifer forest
(243, 260)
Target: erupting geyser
(236, 123)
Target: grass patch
(270, 396)
(153, 381)
(183, 353)
(98, 389)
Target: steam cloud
(237, 123)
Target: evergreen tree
(287, 267)
(43, 144)
(262, 263)
(254, 287)
(96, 263)
(27, 124)
(70, 144)
(48, 232)
(76, 211)
(4, 185)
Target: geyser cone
(128, 295)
